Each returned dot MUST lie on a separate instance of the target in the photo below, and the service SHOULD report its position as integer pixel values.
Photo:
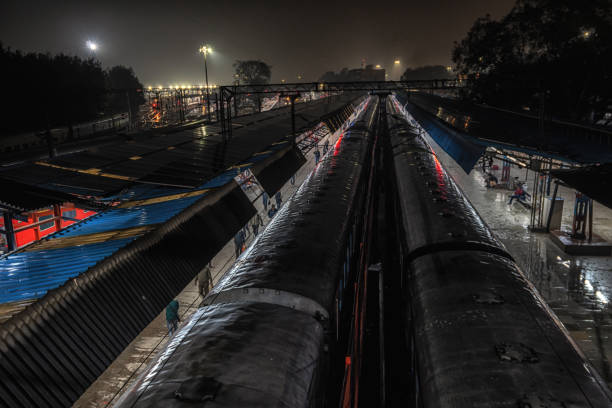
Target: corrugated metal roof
(184, 159)
(26, 275)
(21, 197)
(594, 181)
(487, 125)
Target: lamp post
(206, 49)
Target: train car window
(46, 225)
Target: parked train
(272, 333)
(481, 334)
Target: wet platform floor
(577, 288)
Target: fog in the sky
(160, 39)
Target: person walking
(279, 199)
(204, 280)
(172, 317)
(325, 146)
(264, 198)
(317, 155)
(272, 212)
(257, 221)
(238, 242)
(293, 179)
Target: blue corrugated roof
(28, 275)
(121, 218)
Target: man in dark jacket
(272, 211)
(172, 317)
(204, 280)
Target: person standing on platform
(317, 155)
(264, 198)
(172, 317)
(238, 242)
(257, 221)
(279, 199)
(204, 280)
(293, 179)
(325, 146)
(272, 212)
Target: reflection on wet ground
(577, 288)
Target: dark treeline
(555, 54)
(47, 91)
(368, 73)
(427, 72)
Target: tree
(253, 72)
(427, 72)
(556, 51)
(122, 84)
(46, 91)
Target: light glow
(205, 49)
(92, 45)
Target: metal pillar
(207, 88)
(505, 176)
(292, 99)
(57, 214)
(590, 220)
(130, 114)
(229, 116)
(582, 210)
(552, 206)
(216, 107)
(9, 231)
(235, 103)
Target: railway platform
(577, 288)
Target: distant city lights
(396, 62)
(587, 33)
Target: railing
(30, 140)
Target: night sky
(160, 39)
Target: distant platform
(598, 246)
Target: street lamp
(396, 62)
(206, 49)
(92, 46)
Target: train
(480, 333)
(273, 331)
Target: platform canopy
(20, 197)
(594, 181)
